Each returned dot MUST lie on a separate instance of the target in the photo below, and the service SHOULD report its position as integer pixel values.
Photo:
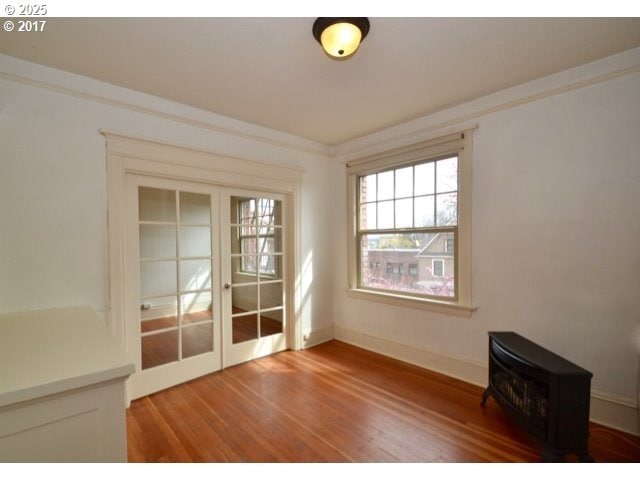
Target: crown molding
(58, 81)
(468, 114)
(429, 126)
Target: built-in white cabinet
(62, 396)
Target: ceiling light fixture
(340, 37)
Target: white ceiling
(271, 71)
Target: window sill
(447, 308)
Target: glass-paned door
(176, 331)
(254, 299)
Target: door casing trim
(127, 155)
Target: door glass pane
(266, 244)
(195, 208)
(195, 274)
(158, 313)
(271, 322)
(248, 264)
(196, 307)
(270, 295)
(266, 211)
(197, 339)
(156, 205)
(244, 298)
(249, 245)
(195, 241)
(268, 266)
(244, 211)
(159, 348)
(157, 241)
(235, 240)
(244, 328)
(157, 278)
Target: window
(257, 235)
(394, 268)
(437, 268)
(412, 205)
(449, 245)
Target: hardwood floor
(336, 403)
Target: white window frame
(459, 143)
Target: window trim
(459, 143)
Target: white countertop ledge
(45, 352)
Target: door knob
(227, 286)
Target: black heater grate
(546, 394)
(524, 396)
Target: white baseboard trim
(621, 414)
(462, 369)
(317, 337)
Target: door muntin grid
(257, 268)
(176, 264)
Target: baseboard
(462, 369)
(317, 337)
(621, 414)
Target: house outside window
(412, 207)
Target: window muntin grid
(405, 215)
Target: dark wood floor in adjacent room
(336, 403)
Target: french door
(205, 279)
(254, 276)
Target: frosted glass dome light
(340, 37)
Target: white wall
(53, 204)
(556, 233)
(556, 228)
